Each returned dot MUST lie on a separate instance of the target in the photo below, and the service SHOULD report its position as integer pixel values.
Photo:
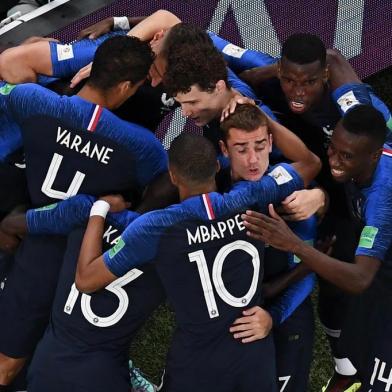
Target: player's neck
(95, 96)
(366, 177)
(186, 193)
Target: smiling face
(202, 106)
(302, 84)
(248, 152)
(351, 156)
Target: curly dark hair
(192, 65)
(185, 33)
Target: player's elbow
(168, 17)
(359, 283)
(83, 283)
(335, 57)
(13, 67)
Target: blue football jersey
(68, 59)
(93, 329)
(375, 209)
(218, 273)
(194, 238)
(73, 146)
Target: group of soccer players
(100, 224)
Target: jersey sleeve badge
(280, 175)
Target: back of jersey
(74, 146)
(211, 271)
(107, 319)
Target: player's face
(201, 106)
(350, 156)
(248, 153)
(303, 85)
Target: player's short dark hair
(120, 59)
(194, 157)
(247, 117)
(203, 66)
(303, 48)
(365, 120)
(184, 34)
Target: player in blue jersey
(289, 306)
(165, 34)
(87, 333)
(205, 294)
(204, 88)
(72, 145)
(310, 89)
(25, 64)
(358, 159)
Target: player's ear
(220, 85)
(223, 148)
(271, 140)
(173, 177)
(124, 87)
(376, 155)
(218, 166)
(158, 35)
(279, 69)
(326, 74)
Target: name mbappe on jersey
(217, 230)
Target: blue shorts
(294, 348)
(366, 336)
(27, 297)
(225, 366)
(58, 367)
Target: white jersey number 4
(47, 186)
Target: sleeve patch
(389, 123)
(116, 248)
(280, 175)
(47, 208)
(64, 52)
(347, 100)
(233, 51)
(7, 88)
(368, 236)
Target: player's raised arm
(108, 24)
(293, 148)
(92, 272)
(355, 156)
(23, 63)
(158, 21)
(143, 27)
(150, 28)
